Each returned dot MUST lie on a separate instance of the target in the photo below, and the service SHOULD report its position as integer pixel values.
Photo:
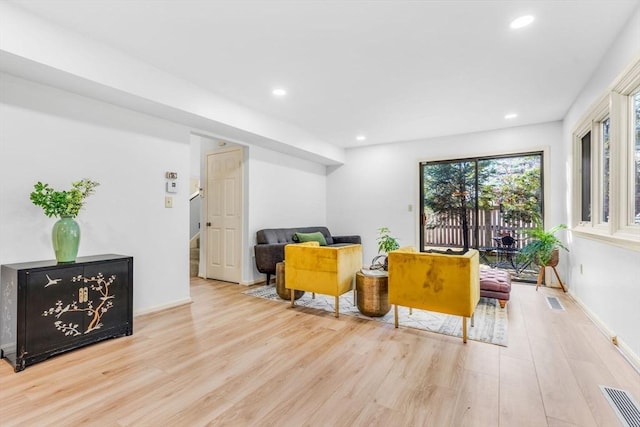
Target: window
(605, 151)
(607, 166)
(635, 214)
(586, 177)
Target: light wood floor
(232, 359)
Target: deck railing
(447, 230)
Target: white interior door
(224, 214)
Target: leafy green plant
(540, 249)
(62, 203)
(386, 242)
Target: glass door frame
(474, 225)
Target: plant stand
(541, 274)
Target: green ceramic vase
(66, 238)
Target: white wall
(32, 46)
(608, 285)
(57, 137)
(284, 191)
(376, 185)
(194, 163)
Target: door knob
(208, 224)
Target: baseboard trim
(628, 354)
(620, 345)
(251, 282)
(163, 307)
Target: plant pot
(555, 258)
(65, 237)
(281, 290)
(553, 261)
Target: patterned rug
(490, 324)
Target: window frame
(617, 105)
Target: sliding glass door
(486, 203)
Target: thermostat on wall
(172, 187)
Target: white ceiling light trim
(280, 92)
(361, 138)
(510, 116)
(521, 22)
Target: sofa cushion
(285, 235)
(310, 237)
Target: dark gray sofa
(270, 244)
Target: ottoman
(496, 284)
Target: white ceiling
(391, 70)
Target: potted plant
(543, 250)
(64, 205)
(386, 244)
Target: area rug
(490, 323)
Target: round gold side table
(281, 290)
(372, 294)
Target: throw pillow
(311, 237)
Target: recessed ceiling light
(279, 92)
(522, 21)
(361, 137)
(511, 116)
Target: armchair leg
(472, 317)
(395, 314)
(293, 297)
(268, 278)
(337, 306)
(464, 330)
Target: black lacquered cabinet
(48, 308)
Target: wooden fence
(447, 231)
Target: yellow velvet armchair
(435, 282)
(327, 270)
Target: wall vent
(624, 406)
(554, 303)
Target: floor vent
(554, 303)
(624, 406)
